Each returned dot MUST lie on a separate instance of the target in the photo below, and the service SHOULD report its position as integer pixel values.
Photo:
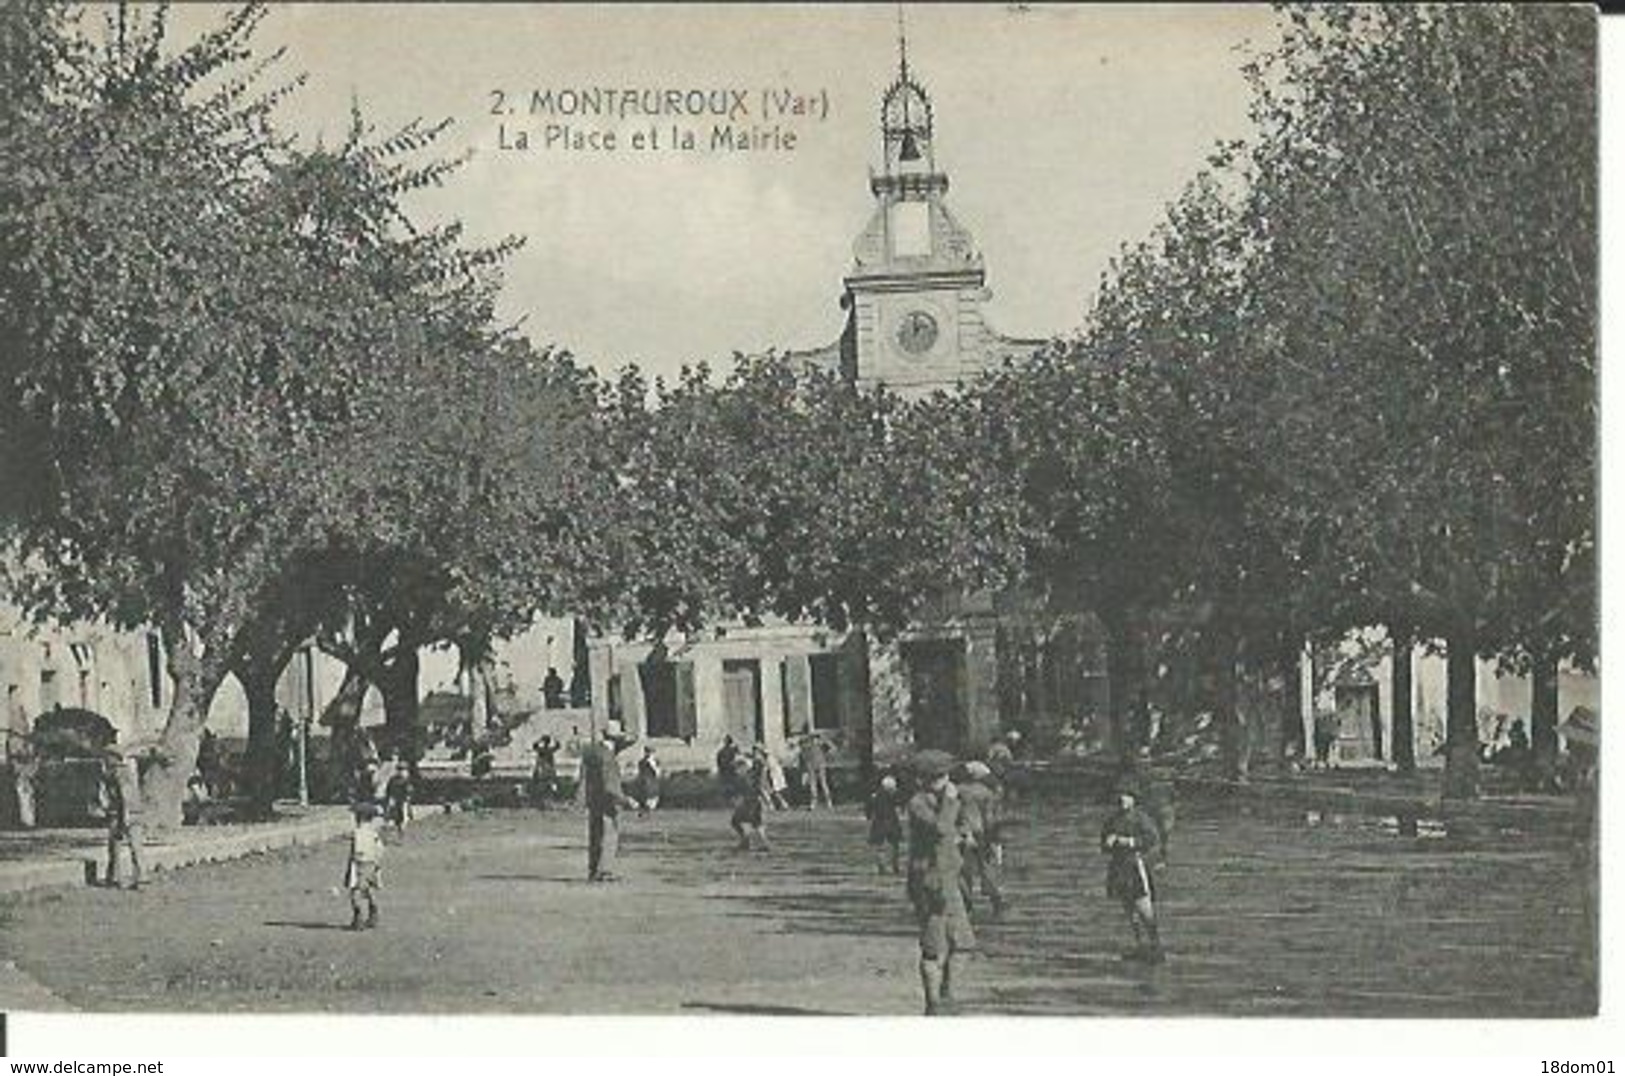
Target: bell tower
(917, 286)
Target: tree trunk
(1461, 719)
(1289, 741)
(343, 716)
(195, 679)
(399, 686)
(1125, 675)
(1543, 711)
(1227, 715)
(263, 761)
(1404, 735)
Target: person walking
(1129, 837)
(121, 798)
(933, 879)
(815, 762)
(601, 782)
(544, 772)
(1001, 760)
(746, 820)
(648, 786)
(728, 768)
(363, 875)
(883, 809)
(776, 783)
(398, 797)
(979, 823)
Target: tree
(1424, 188)
(1077, 487)
(206, 429)
(141, 365)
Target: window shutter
(797, 695)
(687, 720)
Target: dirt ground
(1293, 914)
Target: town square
(873, 510)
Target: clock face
(917, 332)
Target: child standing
(1130, 838)
(884, 811)
(121, 796)
(648, 790)
(979, 826)
(398, 797)
(544, 773)
(777, 783)
(747, 814)
(933, 879)
(362, 875)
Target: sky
(1064, 132)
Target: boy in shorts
(747, 813)
(886, 825)
(979, 828)
(933, 879)
(1130, 838)
(361, 875)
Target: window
(668, 699)
(911, 230)
(659, 682)
(826, 698)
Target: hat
(931, 764)
(889, 783)
(1014, 736)
(1128, 785)
(613, 731)
(977, 770)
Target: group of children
(979, 834)
(754, 782)
(946, 819)
(952, 826)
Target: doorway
(1359, 718)
(742, 699)
(936, 681)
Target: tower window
(911, 229)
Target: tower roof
(907, 142)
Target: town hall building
(915, 300)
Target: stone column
(981, 688)
(772, 703)
(600, 666)
(709, 714)
(889, 699)
(798, 695)
(633, 720)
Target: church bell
(910, 151)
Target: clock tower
(916, 290)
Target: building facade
(1355, 682)
(915, 299)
